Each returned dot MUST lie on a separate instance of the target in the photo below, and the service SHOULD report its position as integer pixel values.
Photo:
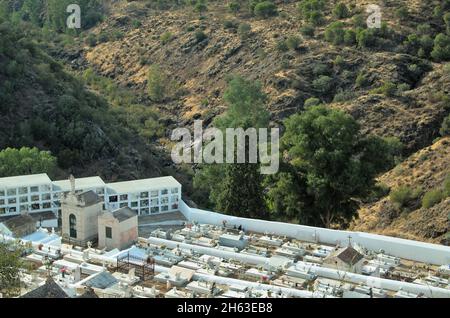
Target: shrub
(282, 46)
(335, 33)
(293, 42)
(366, 38)
(244, 30)
(387, 89)
(311, 11)
(136, 24)
(359, 21)
(343, 96)
(432, 198)
(234, 6)
(402, 13)
(403, 195)
(341, 11)
(307, 30)
(166, 38)
(323, 84)
(200, 7)
(156, 83)
(310, 102)
(441, 50)
(445, 128)
(265, 9)
(102, 37)
(446, 187)
(350, 37)
(200, 36)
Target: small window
(12, 201)
(164, 200)
(11, 192)
(2, 193)
(23, 190)
(164, 192)
(155, 209)
(34, 189)
(123, 197)
(165, 208)
(46, 197)
(2, 210)
(155, 202)
(123, 205)
(174, 190)
(73, 226)
(154, 194)
(23, 199)
(108, 232)
(2, 201)
(113, 198)
(144, 195)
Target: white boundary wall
(407, 249)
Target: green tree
(157, 83)
(25, 161)
(10, 264)
(237, 188)
(337, 162)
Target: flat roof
(80, 184)
(142, 185)
(22, 181)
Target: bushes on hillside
(341, 11)
(335, 33)
(431, 198)
(307, 30)
(445, 128)
(244, 31)
(441, 50)
(265, 9)
(293, 42)
(324, 84)
(311, 11)
(404, 195)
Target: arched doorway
(73, 226)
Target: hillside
(42, 105)
(425, 170)
(200, 69)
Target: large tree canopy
(25, 161)
(334, 161)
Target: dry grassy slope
(201, 69)
(426, 169)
